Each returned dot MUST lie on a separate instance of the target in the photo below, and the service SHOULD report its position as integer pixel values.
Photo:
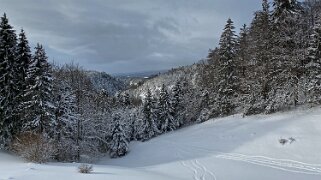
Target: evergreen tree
(209, 81)
(150, 126)
(8, 81)
(23, 60)
(228, 85)
(119, 143)
(39, 107)
(177, 108)
(287, 67)
(314, 64)
(166, 120)
(285, 7)
(260, 62)
(242, 50)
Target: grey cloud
(126, 35)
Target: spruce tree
(286, 68)
(119, 141)
(228, 85)
(8, 81)
(177, 108)
(23, 60)
(314, 64)
(285, 7)
(166, 120)
(39, 105)
(242, 50)
(259, 78)
(150, 126)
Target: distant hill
(143, 74)
(102, 80)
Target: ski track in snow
(205, 170)
(280, 164)
(200, 171)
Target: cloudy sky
(120, 36)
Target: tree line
(59, 108)
(25, 85)
(272, 65)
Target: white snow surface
(231, 148)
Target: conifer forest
(66, 113)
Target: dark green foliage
(228, 84)
(8, 81)
(119, 142)
(39, 106)
(150, 126)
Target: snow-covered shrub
(85, 168)
(33, 147)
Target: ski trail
(189, 166)
(200, 171)
(194, 170)
(200, 174)
(281, 164)
(206, 171)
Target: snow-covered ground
(231, 148)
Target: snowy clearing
(227, 148)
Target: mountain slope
(103, 81)
(228, 148)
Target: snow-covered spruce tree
(39, 105)
(258, 79)
(242, 50)
(8, 82)
(285, 7)
(209, 83)
(287, 64)
(166, 120)
(177, 107)
(150, 126)
(139, 126)
(129, 120)
(314, 64)
(228, 85)
(242, 60)
(23, 60)
(119, 142)
(209, 74)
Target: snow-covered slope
(190, 74)
(229, 148)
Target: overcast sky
(120, 36)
